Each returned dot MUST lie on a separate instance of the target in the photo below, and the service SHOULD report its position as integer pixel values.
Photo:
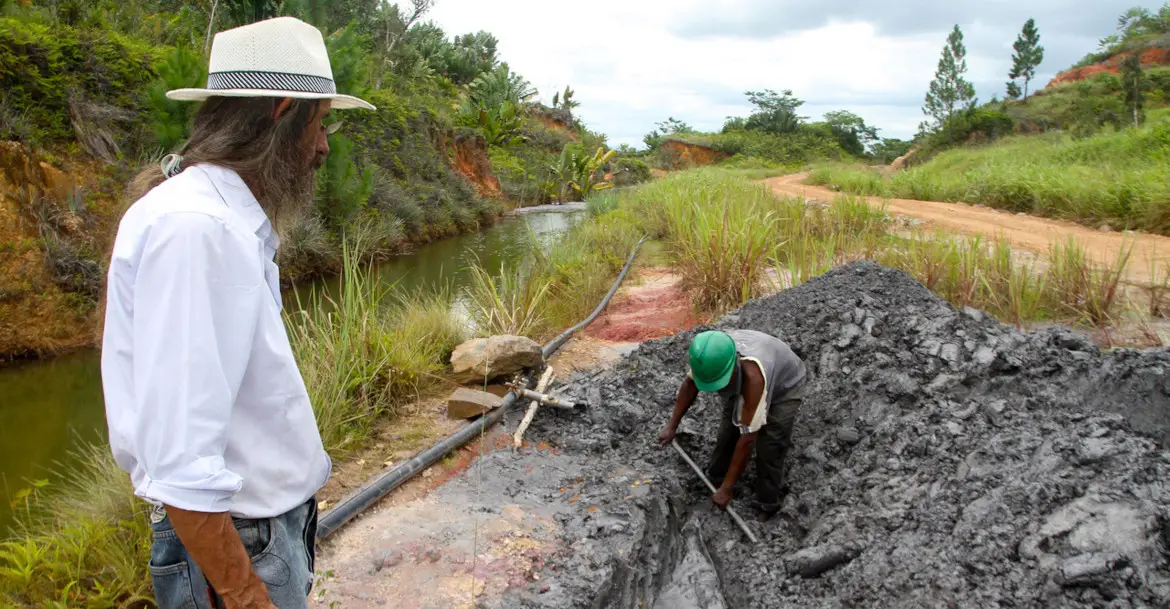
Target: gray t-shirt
(782, 370)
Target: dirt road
(1022, 231)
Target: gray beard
(289, 190)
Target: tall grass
(367, 350)
(1121, 178)
(512, 302)
(968, 272)
(581, 266)
(722, 231)
(84, 542)
(720, 228)
(1086, 290)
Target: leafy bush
(627, 171)
(405, 140)
(43, 68)
(524, 173)
(976, 124)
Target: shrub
(306, 248)
(627, 171)
(343, 187)
(510, 302)
(42, 68)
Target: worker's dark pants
(772, 445)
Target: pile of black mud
(941, 459)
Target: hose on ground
(372, 491)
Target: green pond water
(48, 408)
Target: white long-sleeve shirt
(206, 408)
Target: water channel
(48, 408)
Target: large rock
(489, 358)
(466, 403)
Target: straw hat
(280, 57)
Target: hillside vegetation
(774, 138)
(1091, 147)
(457, 139)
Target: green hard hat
(712, 355)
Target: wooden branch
(542, 385)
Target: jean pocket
(172, 586)
(256, 535)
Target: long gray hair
(240, 134)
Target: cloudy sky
(633, 63)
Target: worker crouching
(761, 383)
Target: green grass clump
(511, 302)
(719, 228)
(1068, 286)
(84, 542)
(853, 179)
(1119, 178)
(367, 351)
(582, 266)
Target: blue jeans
(282, 551)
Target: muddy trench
(941, 459)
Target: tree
(670, 126)
(1133, 84)
(243, 12)
(1013, 90)
(1028, 55)
(775, 113)
(851, 132)
(565, 101)
(395, 27)
(949, 91)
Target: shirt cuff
(202, 492)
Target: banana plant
(500, 124)
(576, 172)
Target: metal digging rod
(730, 510)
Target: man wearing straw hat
(206, 409)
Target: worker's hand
(666, 435)
(722, 498)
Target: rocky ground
(942, 459)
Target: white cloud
(631, 65)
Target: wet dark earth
(941, 459)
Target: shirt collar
(239, 198)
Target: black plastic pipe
(559, 341)
(374, 490)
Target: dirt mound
(472, 162)
(941, 459)
(683, 155)
(1153, 56)
(36, 316)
